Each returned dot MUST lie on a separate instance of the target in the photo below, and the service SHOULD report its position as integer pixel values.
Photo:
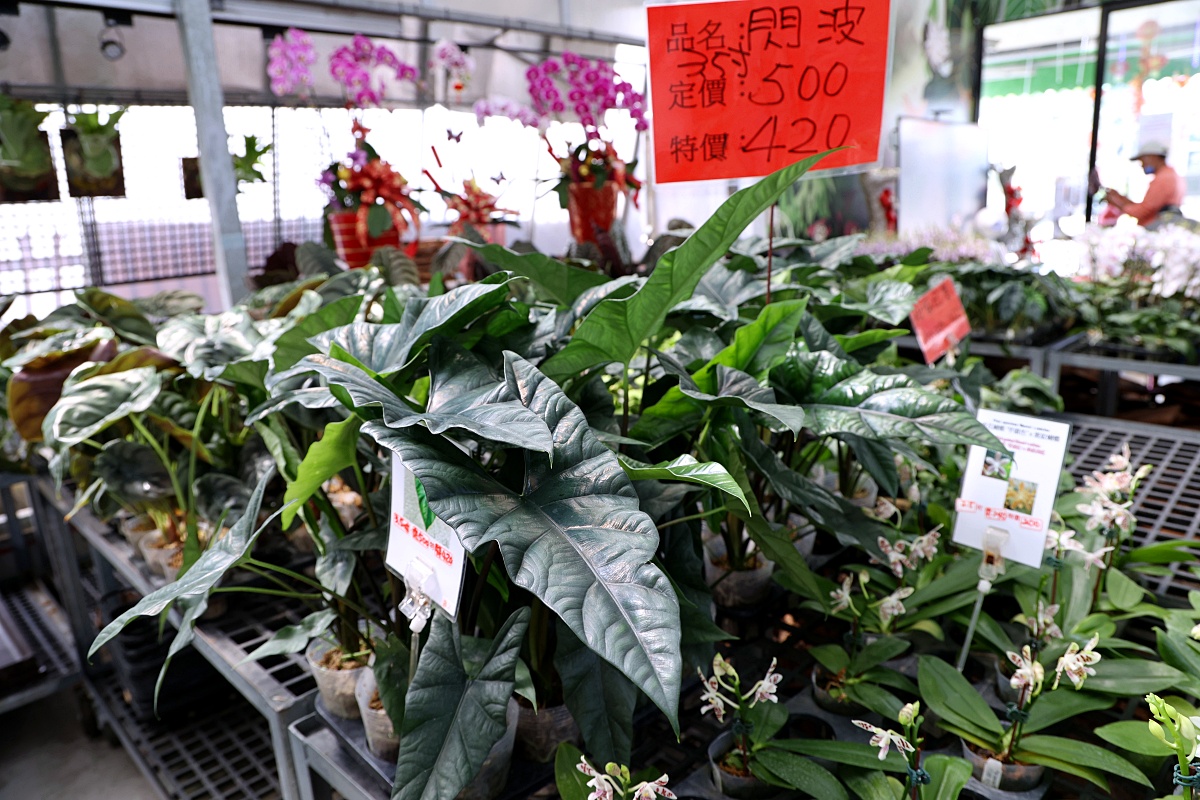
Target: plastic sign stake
(424, 551)
(1012, 491)
(744, 88)
(939, 321)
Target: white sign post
(1006, 501)
(424, 551)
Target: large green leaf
(687, 469)
(855, 754)
(1134, 736)
(737, 389)
(464, 394)
(119, 314)
(598, 696)
(839, 396)
(193, 586)
(949, 775)
(755, 349)
(871, 784)
(1073, 751)
(722, 292)
(333, 452)
(293, 344)
(90, 406)
(452, 719)
(1133, 677)
(615, 329)
(572, 533)
(570, 782)
(294, 638)
(1054, 707)
(384, 349)
(890, 301)
(562, 282)
(782, 768)
(955, 700)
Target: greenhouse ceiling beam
(353, 16)
(216, 165)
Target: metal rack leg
(60, 547)
(290, 781)
(310, 786)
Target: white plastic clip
(992, 565)
(416, 604)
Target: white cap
(1150, 149)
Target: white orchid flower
(648, 790)
(1029, 673)
(926, 546)
(885, 739)
(1077, 663)
(764, 690)
(891, 606)
(841, 597)
(1095, 559)
(894, 553)
(1042, 624)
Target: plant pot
(335, 685)
(591, 209)
(735, 588)
(493, 775)
(135, 527)
(735, 786)
(1005, 777)
(157, 552)
(539, 733)
(350, 248)
(382, 740)
(828, 702)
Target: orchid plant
(964, 713)
(290, 57)
(908, 744)
(616, 783)
(1177, 731)
(356, 67)
(592, 88)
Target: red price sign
(939, 320)
(744, 88)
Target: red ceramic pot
(353, 250)
(591, 209)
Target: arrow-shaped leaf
(572, 534)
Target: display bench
(43, 628)
(1111, 360)
(271, 693)
(1038, 356)
(1167, 505)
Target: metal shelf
(1167, 505)
(1077, 353)
(226, 754)
(41, 621)
(280, 688)
(1038, 356)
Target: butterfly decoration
(451, 136)
(498, 178)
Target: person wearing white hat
(1163, 196)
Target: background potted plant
(371, 204)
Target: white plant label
(1014, 492)
(415, 534)
(993, 772)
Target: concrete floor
(45, 755)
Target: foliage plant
(97, 141)
(24, 157)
